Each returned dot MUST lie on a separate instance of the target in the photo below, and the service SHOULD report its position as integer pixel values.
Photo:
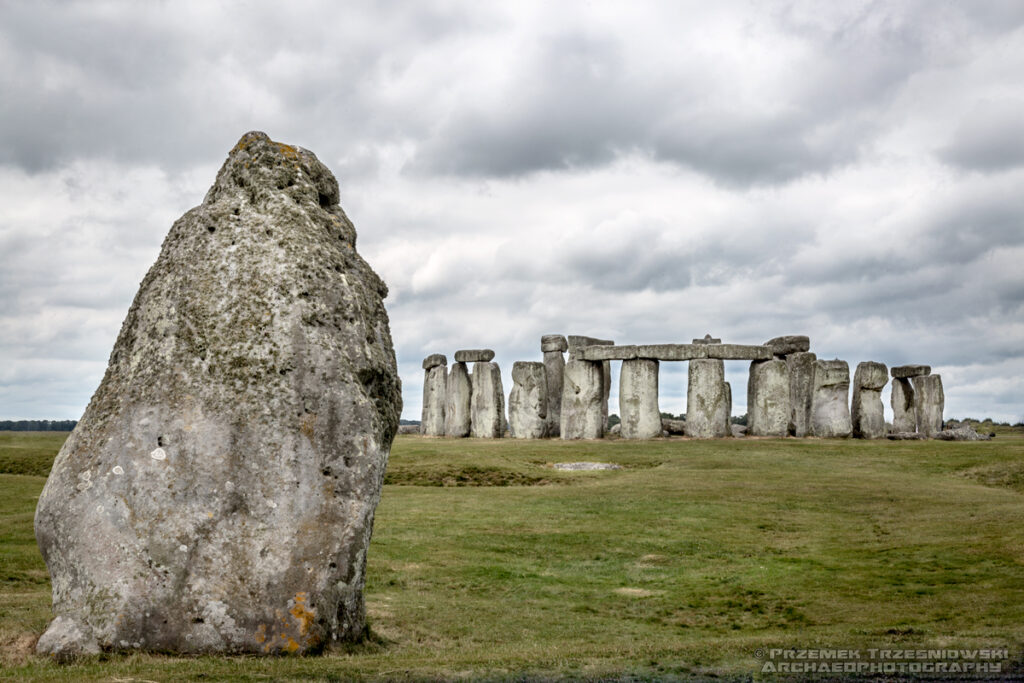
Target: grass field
(487, 563)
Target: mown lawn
(486, 562)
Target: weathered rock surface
(576, 342)
(487, 402)
(433, 360)
(218, 493)
(528, 401)
(673, 427)
(738, 352)
(553, 342)
(458, 402)
(707, 405)
(408, 429)
(615, 429)
(707, 339)
(908, 371)
(963, 433)
(789, 344)
(554, 369)
(606, 352)
(830, 407)
(738, 431)
(671, 352)
(435, 381)
(904, 415)
(801, 390)
(866, 411)
(474, 356)
(582, 394)
(768, 408)
(638, 399)
(929, 401)
(728, 409)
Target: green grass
(487, 562)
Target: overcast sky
(643, 172)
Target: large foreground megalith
(929, 401)
(218, 493)
(487, 399)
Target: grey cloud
(990, 139)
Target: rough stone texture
(606, 390)
(615, 429)
(707, 406)
(576, 342)
(801, 390)
(728, 409)
(929, 401)
(908, 371)
(638, 399)
(474, 356)
(904, 416)
(671, 352)
(435, 393)
(582, 394)
(673, 427)
(866, 411)
(433, 360)
(604, 353)
(553, 342)
(738, 352)
(707, 339)
(528, 401)
(789, 344)
(218, 493)
(830, 407)
(408, 429)
(554, 369)
(738, 431)
(487, 402)
(458, 411)
(768, 407)
(963, 433)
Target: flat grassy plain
(487, 563)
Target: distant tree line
(37, 425)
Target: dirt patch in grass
(1008, 475)
(463, 476)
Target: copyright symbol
(759, 653)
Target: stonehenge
(790, 392)
(435, 392)
(866, 411)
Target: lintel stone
(907, 371)
(738, 352)
(790, 343)
(474, 355)
(594, 353)
(433, 360)
(553, 342)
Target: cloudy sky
(643, 171)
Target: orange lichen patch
(261, 634)
(302, 614)
(288, 151)
(308, 422)
(292, 646)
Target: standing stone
(552, 345)
(638, 399)
(830, 407)
(528, 401)
(768, 406)
(218, 494)
(801, 389)
(866, 410)
(457, 410)
(707, 402)
(581, 400)
(904, 415)
(487, 413)
(577, 342)
(929, 401)
(435, 392)
(728, 409)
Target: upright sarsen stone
(866, 410)
(708, 399)
(553, 346)
(487, 414)
(457, 410)
(929, 401)
(528, 401)
(638, 399)
(801, 389)
(830, 408)
(218, 493)
(904, 415)
(435, 392)
(582, 393)
(768, 406)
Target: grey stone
(830, 407)
(963, 433)
(458, 410)
(576, 342)
(929, 401)
(672, 352)
(474, 356)
(707, 339)
(904, 415)
(673, 427)
(487, 402)
(553, 342)
(582, 393)
(615, 429)
(801, 390)
(738, 352)
(638, 399)
(554, 369)
(435, 392)
(866, 411)
(528, 401)
(738, 431)
(606, 390)
(218, 493)
(904, 436)
(908, 371)
(408, 429)
(788, 344)
(433, 360)
(768, 408)
(728, 409)
(604, 353)
(585, 466)
(707, 406)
